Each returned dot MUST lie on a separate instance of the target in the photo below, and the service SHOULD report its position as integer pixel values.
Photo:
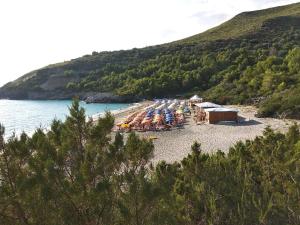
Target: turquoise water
(18, 116)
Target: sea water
(27, 115)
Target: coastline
(120, 114)
(175, 144)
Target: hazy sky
(35, 33)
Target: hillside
(252, 58)
(245, 23)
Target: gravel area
(174, 145)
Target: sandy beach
(122, 113)
(175, 144)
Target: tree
(293, 60)
(79, 173)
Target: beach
(120, 114)
(175, 144)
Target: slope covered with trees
(252, 58)
(75, 174)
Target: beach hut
(215, 115)
(200, 114)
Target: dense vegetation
(253, 58)
(75, 174)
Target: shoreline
(120, 114)
(175, 144)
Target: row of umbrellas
(159, 113)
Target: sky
(36, 33)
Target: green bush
(283, 104)
(77, 174)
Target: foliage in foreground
(75, 174)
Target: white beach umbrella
(172, 106)
(162, 106)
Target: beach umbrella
(172, 106)
(179, 111)
(186, 110)
(124, 125)
(161, 106)
(151, 106)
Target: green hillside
(252, 58)
(245, 23)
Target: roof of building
(221, 110)
(208, 105)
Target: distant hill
(252, 58)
